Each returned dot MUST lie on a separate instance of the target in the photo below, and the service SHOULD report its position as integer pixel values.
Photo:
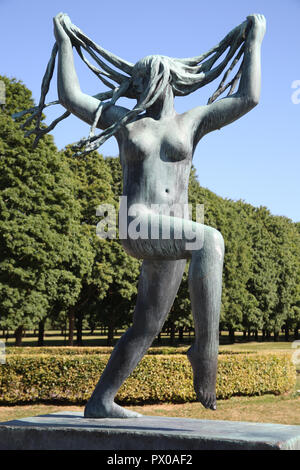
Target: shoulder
(193, 120)
(220, 113)
(112, 114)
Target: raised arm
(69, 92)
(226, 110)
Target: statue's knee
(149, 328)
(219, 244)
(210, 256)
(213, 243)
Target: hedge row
(93, 350)
(158, 378)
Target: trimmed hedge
(86, 350)
(158, 378)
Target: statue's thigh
(162, 237)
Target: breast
(171, 147)
(142, 145)
(174, 148)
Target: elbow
(253, 101)
(67, 95)
(68, 100)
(250, 101)
(65, 99)
(252, 97)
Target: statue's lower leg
(158, 285)
(101, 404)
(205, 285)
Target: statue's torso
(156, 159)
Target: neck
(163, 106)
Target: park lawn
(258, 346)
(55, 338)
(267, 409)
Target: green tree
(106, 292)
(286, 310)
(43, 251)
(118, 305)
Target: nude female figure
(156, 151)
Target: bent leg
(205, 285)
(158, 285)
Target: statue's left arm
(226, 110)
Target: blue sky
(255, 159)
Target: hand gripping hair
(184, 75)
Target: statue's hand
(59, 22)
(258, 26)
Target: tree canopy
(54, 267)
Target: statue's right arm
(70, 95)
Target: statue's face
(139, 82)
(141, 75)
(147, 69)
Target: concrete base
(71, 431)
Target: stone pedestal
(71, 431)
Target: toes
(112, 410)
(207, 399)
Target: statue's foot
(204, 372)
(110, 410)
(208, 400)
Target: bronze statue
(156, 149)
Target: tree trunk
(181, 333)
(296, 334)
(18, 335)
(244, 334)
(110, 335)
(159, 338)
(286, 333)
(172, 334)
(256, 335)
(41, 332)
(79, 330)
(71, 317)
(276, 336)
(231, 336)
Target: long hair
(183, 75)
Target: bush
(95, 350)
(70, 379)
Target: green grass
(258, 346)
(54, 338)
(264, 409)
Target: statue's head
(150, 76)
(146, 81)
